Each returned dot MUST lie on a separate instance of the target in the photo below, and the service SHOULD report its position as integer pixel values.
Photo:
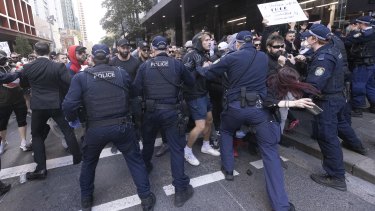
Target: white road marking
(259, 163)
(199, 181)
(119, 204)
(53, 163)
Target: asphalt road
(114, 189)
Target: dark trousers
(166, 120)
(19, 109)
(328, 123)
(267, 135)
(345, 131)
(124, 138)
(363, 84)
(39, 130)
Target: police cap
(365, 19)
(159, 43)
(317, 30)
(100, 49)
(244, 36)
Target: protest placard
(280, 12)
(5, 47)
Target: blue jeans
(363, 84)
(199, 107)
(267, 135)
(166, 120)
(123, 137)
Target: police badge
(319, 71)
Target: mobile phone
(315, 110)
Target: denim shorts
(199, 107)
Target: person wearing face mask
(326, 73)
(362, 56)
(77, 57)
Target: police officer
(247, 72)
(325, 72)
(159, 81)
(104, 91)
(362, 54)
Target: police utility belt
(151, 106)
(107, 122)
(249, 99)
(326, 96)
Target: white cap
(222, 46)
(189, 44)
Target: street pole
(183, 24)
(51, 19)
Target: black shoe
(163, 149)
(41, 174)
(357, 112)
(181, 197)
(329, 181)
(148, 203)
(291, 207)
(149, 167)
(4, 188)
(361, 150)
(228, 174)
(86, 203)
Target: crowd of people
(242, 86)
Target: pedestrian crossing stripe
(259, 163)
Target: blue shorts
(199, 107)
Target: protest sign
(280, 12)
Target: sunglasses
(277, 46)
(81, 52)
(14, 57)
(145, 49)
(256, 44)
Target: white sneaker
(25, 146)
(190, 158)
(207, 149)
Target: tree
(23, 46)
(107, 40)
(122, 16)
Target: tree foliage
(23, 46)
(107, 40)
(122, 16)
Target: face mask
(305, 44)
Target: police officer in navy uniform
(104, 91)
(247, 72)
(362, 55)
(326, 73)
(159, 81)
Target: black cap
(122, 42)
(80, 48)
(143, 44)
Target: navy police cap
(365, 19)
(317, 30)
(100, 48)
(244, 36)
(159, 43)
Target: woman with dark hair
(284, 87)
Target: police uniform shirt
(321, 68)
(163, 61)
